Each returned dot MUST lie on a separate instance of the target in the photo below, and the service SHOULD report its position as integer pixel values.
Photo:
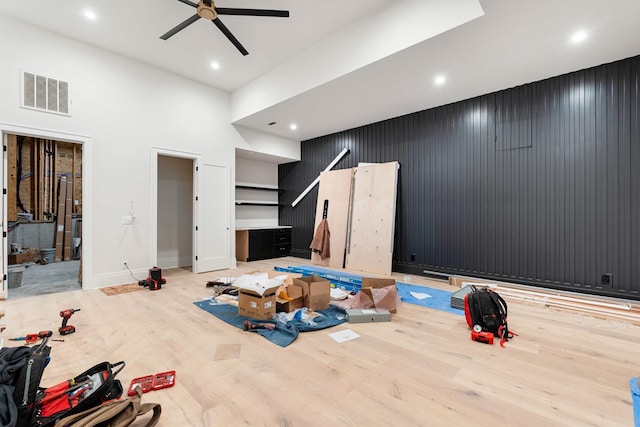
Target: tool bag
(90, 389)
(27, 384)
(118, 413)
(485, 310)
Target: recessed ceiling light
(215, 65)
(293, 126)
(440, 79)
(90, 15)
(579, 36)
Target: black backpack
(486, 311)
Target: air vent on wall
(45, 94)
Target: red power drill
(66, 314)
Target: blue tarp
(284, 333)
(438, 299)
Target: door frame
(86, 142)
(196, 158)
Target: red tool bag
(91, 388)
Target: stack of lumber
(598, 307)
(63, 220)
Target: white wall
(278, 149)
(175, 212)
(125, 108)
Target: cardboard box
(259, 307)
(316, 291)
(375, 282)
(297, 301)
(26, 255)
(369, 283)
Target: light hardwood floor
(420, 369)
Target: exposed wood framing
(12, 177)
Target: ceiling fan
(207, 9)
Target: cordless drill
(66, 315)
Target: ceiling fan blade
(252, 12)
(230, 36)
(189, 3)
(180, 26)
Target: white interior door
(213, 223)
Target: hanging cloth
(320, 242)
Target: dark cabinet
(254, 245)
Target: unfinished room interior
(320, 213)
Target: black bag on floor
(91, 388)
(486, 311)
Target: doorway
(208, 209)
(175, 212)
(43, 212)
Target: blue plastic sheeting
(438, 299)
(341, 280)
(284, 333)
(635, 398)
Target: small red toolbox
(145, 383)
(164, 380)
(152, 382)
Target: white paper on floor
(420, 295)
(345, 335)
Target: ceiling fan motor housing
(207, 11)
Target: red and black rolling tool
(66, 315)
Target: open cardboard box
(389, 301)
(316, 291)
(260, 307)
(296, 301)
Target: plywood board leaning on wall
(372, 222)
(335, 186)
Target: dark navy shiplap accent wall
(536, 184)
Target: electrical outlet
(124, 265)
(606, 279)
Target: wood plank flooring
(421, 369)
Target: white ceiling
(338, 64)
